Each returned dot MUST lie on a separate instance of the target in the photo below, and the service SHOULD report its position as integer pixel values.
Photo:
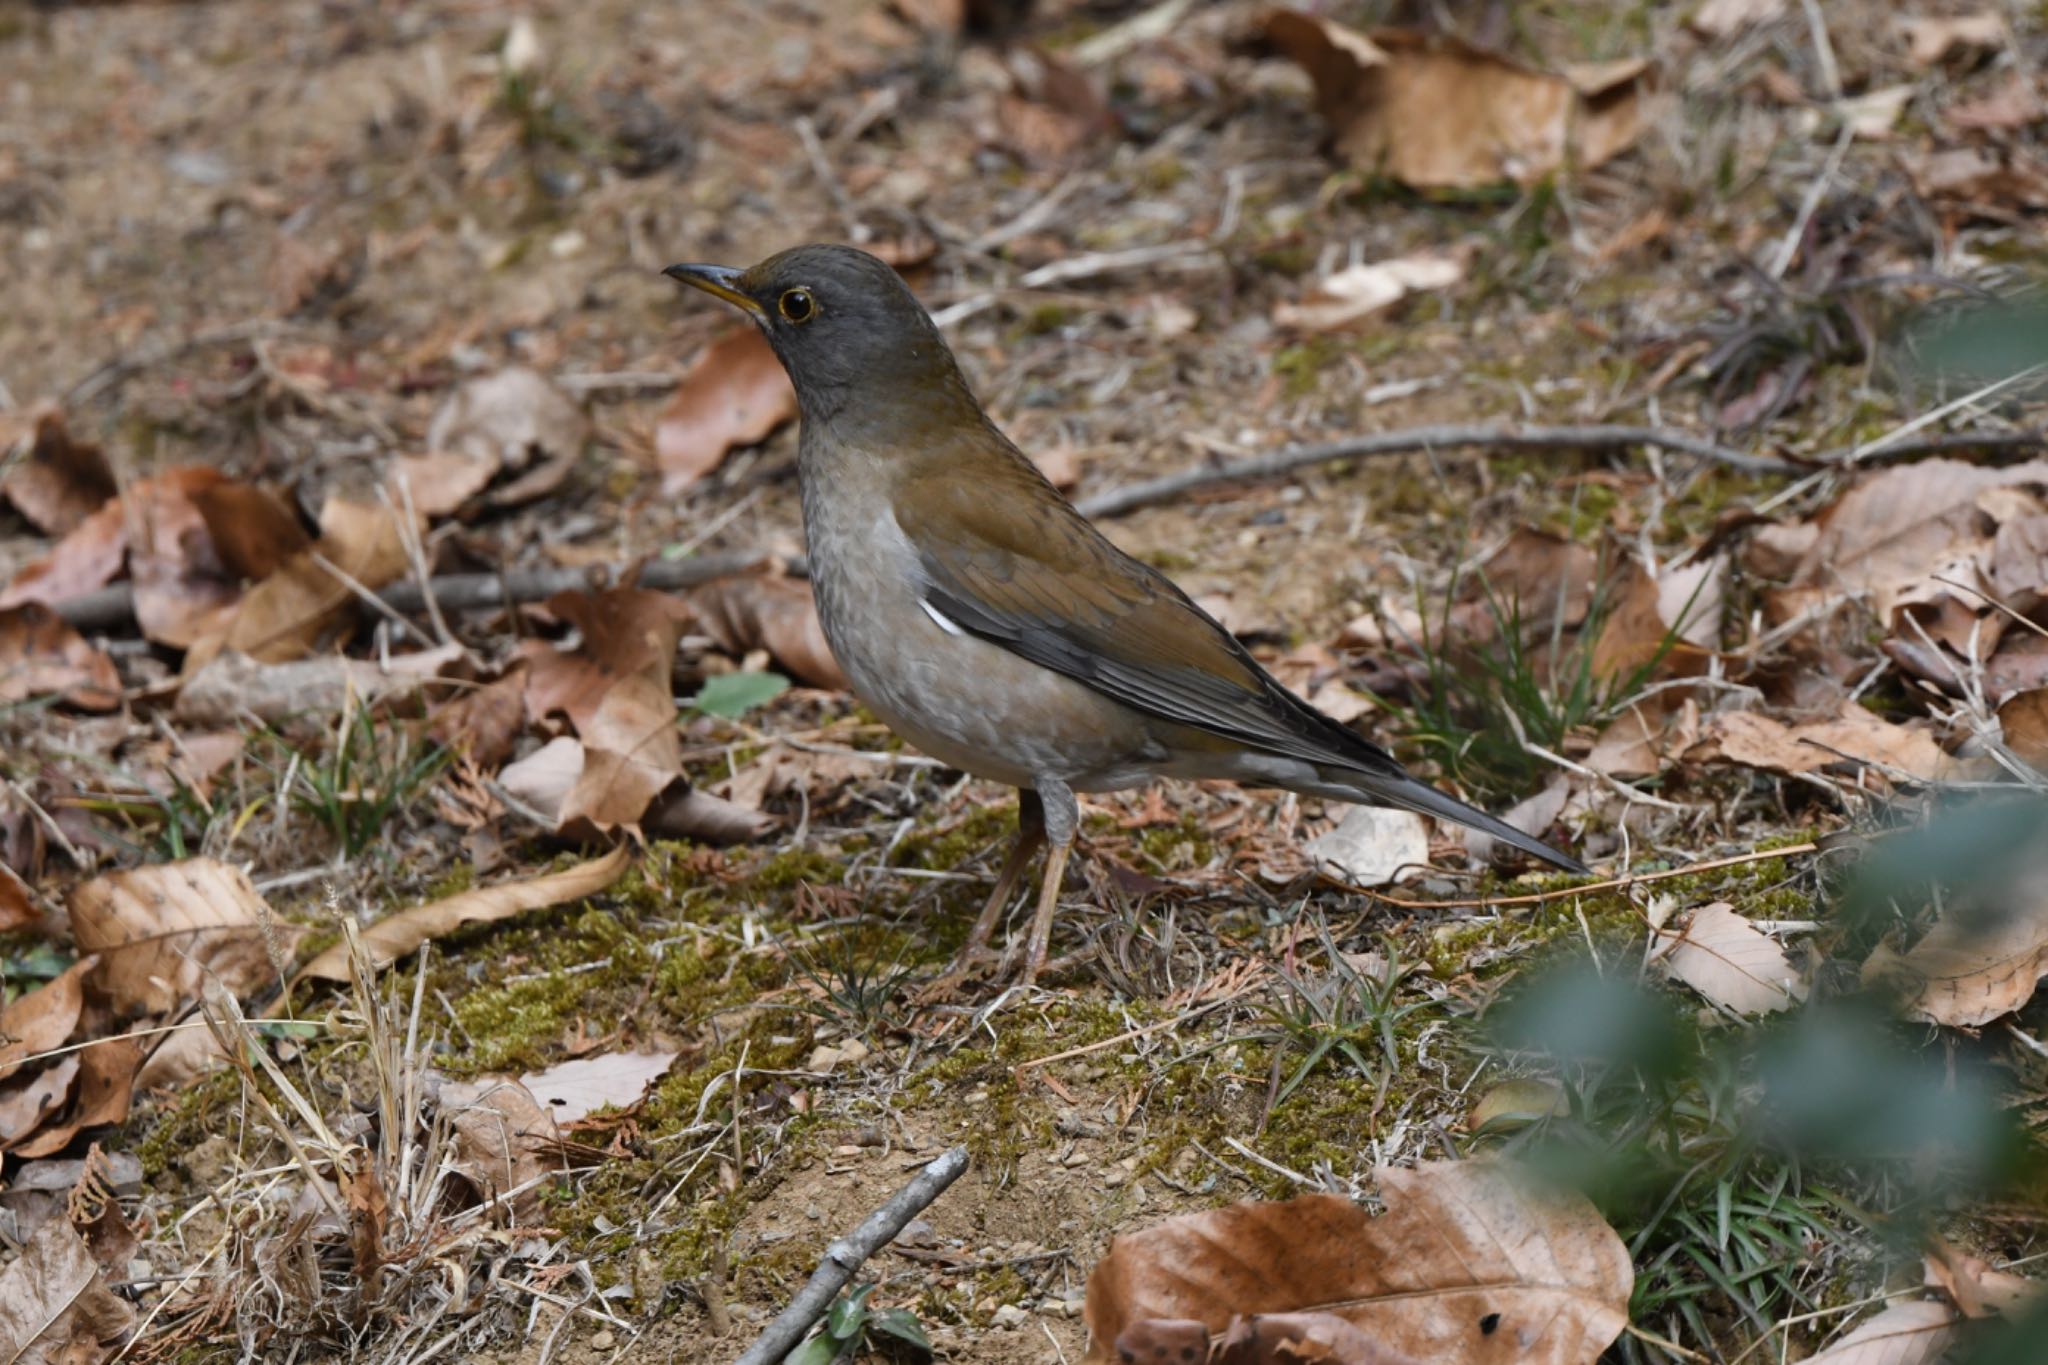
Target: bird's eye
(797, 305)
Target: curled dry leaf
(254, 532)
(775, 614)
(1639, 741)
(17, 910)
(1931, 38)
(55, 1306)
(27, 1100)
(1356, 292)
(394, 937)
(503, 1143)
(575, 1089)
(482, 723)
(100, 1094)
(1916, 1332)
(1517, 1104)
(1854, 739)
(1969, 968)
(152, 525)
(1732, 962)
(190, 1052)
(1438, 113)
(1469, 1262)
(163, 930)
(57, 481)
(734, 393)
(1720, 18)
(515, 421)
(1373, 846)
(40, 656)
(285, 615)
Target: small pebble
(1010, 1316)
(603, 1340)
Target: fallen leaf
(1732, 963)
(1856, 737)
(182, 586)
(162, 930)
(285, 615)
(252, 530)
(55, 1306)
(1357, 292)
(17, 910)
(1970, 968)
(544, 778)
(40, 655)
(1670, 624)
(1974, 1286)
(573, 1090)
(58, 481)
(2013, 105)
(27, 1100)
(1374, 846)
(397, 935)
(1438, 113)
(1916, 1332)
(517, 421)
(632, 753)
(179, 1057)
(1997, 177)
(482, 723)
(43, 1018)
(734, 393)
(1930, 39)
(503, 1142)
(1469, 1262)
(2023, 724)
(441, 483)
(1517, 1104)
(150, 522)
(776, 614)
(102, 1091)
(1053, 109)
(1640, 741)
(1873, 114)
(1720, 18)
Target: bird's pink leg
(1041, 923)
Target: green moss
(1178, 847)
(200, 1112)
(1047, 317)
(1301, 365)
(791, 867)
(1292, 259)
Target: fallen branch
(845, 1256)
(1410, 439)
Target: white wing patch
(939, 618)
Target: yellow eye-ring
(797, 305)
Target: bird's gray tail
(1409, 793)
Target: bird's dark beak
(719, 280)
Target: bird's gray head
(856, 342)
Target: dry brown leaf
(1468, 1263)
(1438, 113)
(1855, 738)
(43, 1018)
(283, 616)
(40, 655)
(1357, 292)
(2013, 105)
(1732, 962)
(1672, 621)
(1998, 177)
(1053, 108)
(1974, 1285)
(517, 421)
(1916, 1332)
(1969, 968)
(397, 935)
(503, 1144)
(684, 812)
(27, 1100)
(775, 614)
(483, 723)
(59, 481)
(632, 752)
(2023, 724)
(17, 910)
(1931, 38)
(442, 483)
(149, 522)
(55, 1306)
(1517, 1104)
(734, 393)
(253, 531)
(162, 930)
(182, 1056)
(101, 1093)
(573, 1090)
(182, 587)
(1639, 741)
(544, 778)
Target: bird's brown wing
(1007, 559)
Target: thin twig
(845, 1256)
(1611, 884)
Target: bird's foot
(965, 968)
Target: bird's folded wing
(1032, 575)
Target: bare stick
(1291, 458)
(844, 1257)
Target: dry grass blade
(390, 939)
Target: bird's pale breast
(969, 703)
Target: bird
(988, 622)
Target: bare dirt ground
(273, 237)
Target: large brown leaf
(283, 616)
(503, 1142)
(1469, 1263)
(162, 930)
(1916, 1332)
(59, 481)
(1436, 112)
(40, 655)
(734, 393)
(775, 614)
(1732, 962)
(1969, 968)
(43, 1018)
(514, 421)
(55, 1307)
(390, 939)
